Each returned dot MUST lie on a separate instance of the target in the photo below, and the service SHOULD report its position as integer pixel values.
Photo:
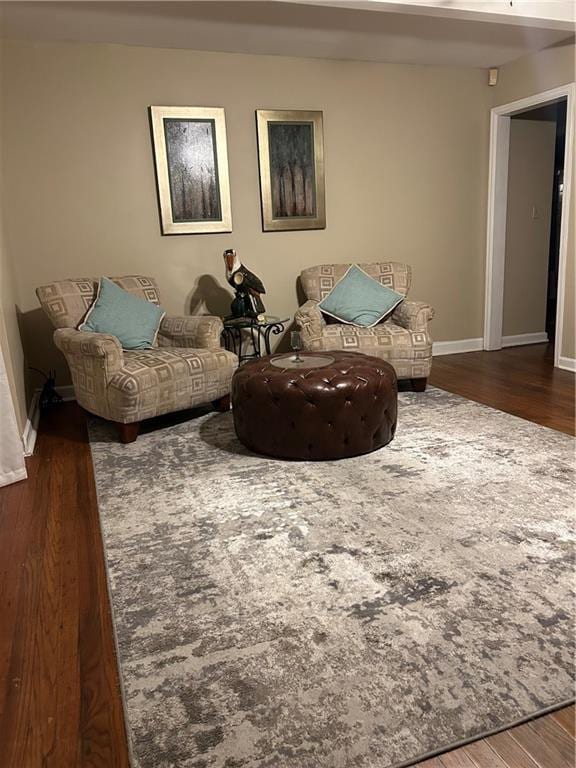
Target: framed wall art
(191, 169)
(291, 156)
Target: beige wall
(535, 73)
(530, 180)
(406, 162)
(10, 343)
(526, 77)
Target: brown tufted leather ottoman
(345, 408)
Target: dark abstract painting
(192, 169)
(291, 155)
(292, 169)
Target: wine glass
(296, 344)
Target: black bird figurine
(248, 287)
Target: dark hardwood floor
(518, 380)
(60, 704)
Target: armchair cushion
(162, 380)
(358, 299)
(200, 331)
(386, 340)
(132, 320)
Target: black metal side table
(248, 338)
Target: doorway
(556, 108)
(556, 218)
(533, 217)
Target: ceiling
(326, 30)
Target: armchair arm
(413, 315)
(103, 349)
(310, 321)
(199, 331)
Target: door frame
(497, 203)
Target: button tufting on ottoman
(345, 408)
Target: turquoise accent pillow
(358, 299)
(134, 321)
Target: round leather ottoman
(345, 408)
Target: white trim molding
(496, 230)
(525, 338)
(567, 364)
(497, 201)
(457, 347)
(31, 428)
(477, 345)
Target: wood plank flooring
(542, 743)
(518, 380)
(60, 704)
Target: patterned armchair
(403, 339)
(188, 367)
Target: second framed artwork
(291, 157)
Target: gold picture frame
(191, 158)
(291, 159)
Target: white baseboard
(31, 428)
(525, 338)
(475, 345)
(567, 364)
(457, 347)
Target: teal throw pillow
(358, 299)
(132, 320)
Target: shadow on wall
(209, 297)
(40, 352)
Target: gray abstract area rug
(352, 614)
